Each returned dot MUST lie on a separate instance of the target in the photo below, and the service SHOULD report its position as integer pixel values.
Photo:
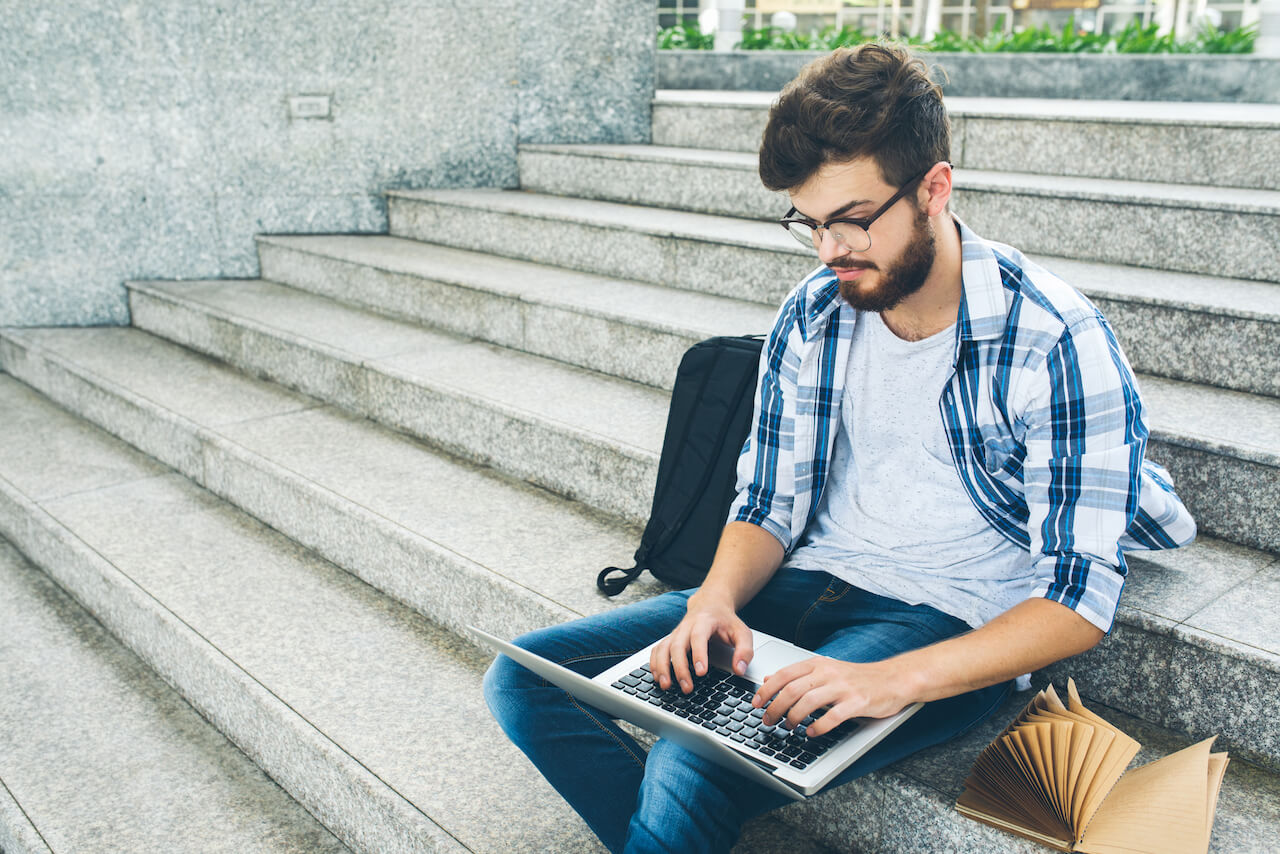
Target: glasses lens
(852, 237)
(802, 233)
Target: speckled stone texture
(156, 139)
(754, 261)
(1126, 78)
(347, 673)
(1170, 227)
(1219, 242)
(102, 755)
(586, 69)
(527, 416)
(1221, 145)
(624, 329)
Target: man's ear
(935, 189)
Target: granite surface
(157, 139)
(341, 662)
(102, 755)
(1116, 77)
(673, 248)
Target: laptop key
(799, 763)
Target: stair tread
(657, 307)
(1234, 423)
(359, 668)
(576, 399)
(101, 754)
(1235, 199)
(363, 462)
(363, 671)
(1212, 114)
(359, 461)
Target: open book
(1055, 776)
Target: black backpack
(711, 406)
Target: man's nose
(829, 249)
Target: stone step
(1222, 332)
(334, 690)
(627, 329)
(1187, 228)
(1220, 145)
(97, 753)
(373, 714)
(596, 438)
(250, 576)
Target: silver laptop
(716, 720)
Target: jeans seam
(606, 731)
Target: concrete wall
(154, 139)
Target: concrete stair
(308, 598)
(1214, 144)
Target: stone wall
(154, 139)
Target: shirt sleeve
(1085, 441)
(766, 466)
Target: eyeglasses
(852, 234)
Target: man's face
(902, 239)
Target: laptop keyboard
(721, 702)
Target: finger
(812, 700)
(743, 647)
(679, 658)
(787, 697)
(775, 682)
(838, 714)
(698, 639)
(660, 660)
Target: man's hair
(873, 100)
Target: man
(945, 465)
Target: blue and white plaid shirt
(1043, 418)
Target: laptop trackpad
(770, 657)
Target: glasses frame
(862, 222)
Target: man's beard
(898, 280)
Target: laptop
(716, 720)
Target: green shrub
(1134, 38)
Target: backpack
(711, 408)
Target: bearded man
(945, 467)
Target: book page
(1102, 771)
(1162, 807)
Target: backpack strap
(614, 586)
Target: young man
(945, 466)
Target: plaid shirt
(1043, 417)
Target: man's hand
(851, 690)
(706, 617)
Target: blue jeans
(675, 801)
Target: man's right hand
(705, 618)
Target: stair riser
(1213, 349)
(1216, 243)
(577, 465)
(358, 808)
(1230, 498)
(648, 356)
(1220, 243)
(1137, 151)
(1169, 680)
(751, 274)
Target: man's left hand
(851, 691)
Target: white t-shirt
(894, 518)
